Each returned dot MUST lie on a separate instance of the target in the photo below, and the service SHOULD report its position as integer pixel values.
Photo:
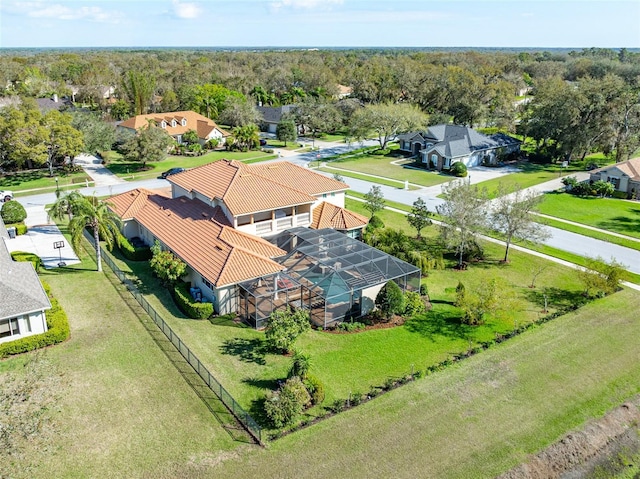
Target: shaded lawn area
(134, 171)
(479, 418)
(381, 166)
(122, 397)
(35, 179)
(620, 216)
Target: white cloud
(62, 12)
(186, 10)
(304, 4)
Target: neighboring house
(624, 176)
(218, 216)
(443, 145)
(271, 116)
(344, 91)
(177, 123)
(23, 299)
(54, 103)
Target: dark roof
(273, 114)
(453, 141)
(20, 289)
(412, 135)
(47, 104)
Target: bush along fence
(356, 398)
(214, 385)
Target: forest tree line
(571, 103)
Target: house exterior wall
(226, 299)
(130, 228)
(369, 298)
(625, 183)
(27, 325)
(336, 198)
(177, 191)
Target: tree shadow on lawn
(248, 350)
(439, 323)
(622, 224)
(556, 297)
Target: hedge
(58, 332)
(132, 253)
(21, 228)
(187, 305)
(24, 256)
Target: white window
(184, 122)
(434, 159)
(9, 327)
(163, 124)
(173, 123)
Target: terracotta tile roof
(258, 187)
(194, 121)
(631, 168)
(191, 229)
(326, 215)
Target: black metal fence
(232, 405)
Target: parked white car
(5, 195)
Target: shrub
(350, 327)
(268, 150)
(424, 291)
(356, 398)
(58, 331)
(315, 388)
(283, 406)
(375, 223)
(166, 265)
(21, 228)
(188, 305)
(459, 169)
(621, 195)
(284, 327)
(24, 256)
(13, 212)
(141, 253)
(300, 365)
(390, 299)
(413, 304)
(381, 152)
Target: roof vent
(218, 248)
(204, 215)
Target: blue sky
(320, 23)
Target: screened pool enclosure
(334, 277)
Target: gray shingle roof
(20, 288)
(273, 114)
(454, 141)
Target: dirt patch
(578, 453)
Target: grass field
(134, 171)
(367, 177)
(620, 216)
(40, 179)
(381, 166)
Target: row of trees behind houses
(570, 103)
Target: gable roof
(327, 215)
(279, 184)
(453, 141)
(412, 135)
(194, 121)
(20, 289)
(631, 168)
(196, 233)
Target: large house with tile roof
(24, 301)
(624, 176)
(441, 146)
(177, 123)
(218, 215)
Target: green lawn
(620, 216)
(40, 179)
(367, 177)
(381, 166)
(134, 171)
(480, 418)
(124, 409)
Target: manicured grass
(382, 166)
(365, 177)
(391, 219)
(627, 243)
(134, 171)
(532, 174)
(393, 204)
(124, 409)
(40, 179)
(291, 145)
(621, 216)
(477, 419)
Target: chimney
(55, 98)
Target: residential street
(561, 239)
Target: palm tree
(88, 211)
